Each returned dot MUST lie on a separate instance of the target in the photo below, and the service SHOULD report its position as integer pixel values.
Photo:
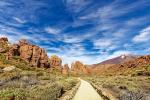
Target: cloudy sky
(86, 30)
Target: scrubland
(28, 83)
(133, 86)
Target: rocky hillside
(118, 60)
(32, 54)
(103, 66)
(55, 62)
(3, 45)
(36, 56)
(130, 66)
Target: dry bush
(49, 92)
(123, 87)
(13, 94)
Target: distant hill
(113, 61)
(119, 59)
(124, 64)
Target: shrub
(49, 92)
(13, 94)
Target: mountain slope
(119, 59)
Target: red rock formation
(3, 40)
(65, 69)
(78, 68)
(3, 44)
(32, 54)
(55, 62)
(13, 51)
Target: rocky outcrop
(3, 40)
(13, 51)
(65, 69)
(78, 68)
(3, 44)
(125, 68)
(143, 60)
(56, 62)
(34, 55)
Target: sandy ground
(86, 92)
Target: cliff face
(66, 69)
(37, 57)
(3, 44)
(78, 68)
(3, 41)
(34, 55)
(55, 62)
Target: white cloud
(70, 39)
(52, 30)
(147, 50)
(114, 9)
(68, 59)
(118, 53)
(11, 38)
(19, 20)
(102, 43)
(143, 36)
(117, 28)
(137, 21)
(4, 3)
(76, 5)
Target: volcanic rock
(34, 55)
(118, 60)
(3, 40)
(3, 44)
(143, 60)
(56, 62)
(124, 68)
(78, 68)
(65, 69)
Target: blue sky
(87, 30)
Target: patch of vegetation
(31, 83)
(123, 86)
(145, 71)
(13, 94)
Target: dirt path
(86, 92)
